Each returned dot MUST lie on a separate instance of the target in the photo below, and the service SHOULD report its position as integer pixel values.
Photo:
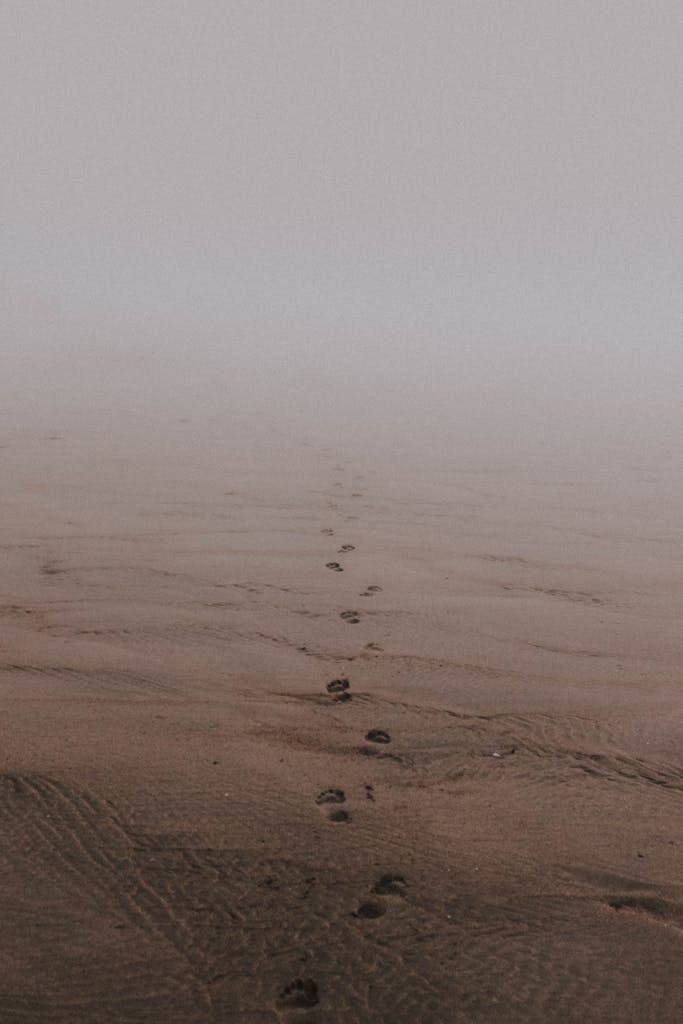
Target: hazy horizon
(359, 220)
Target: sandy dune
(485, 825)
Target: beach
(289, 734)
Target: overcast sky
(442, 193)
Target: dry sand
(193, 829)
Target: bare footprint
(333, 797)
(352, 617)
(300, 994)
(378, 736)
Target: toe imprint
(331, 796)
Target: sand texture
(286, 737)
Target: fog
(388, 225)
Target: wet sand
(200, 821)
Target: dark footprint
(346, 547)
(370, 909)
(374, 589)
(378, 736)
(369, 791)
(331, 796)
(350, 617)
(338, 686)
(335, 566)
(390, 885)
(300, 994)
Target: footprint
(346, 547)
(335, 566)
(300, 994)
(370, 909)
(369, 591)
(331, 796)
(352, 617)
(369, 791)
(338, 686)
(390, 885)
(373, 647)
(328, 531)
(378, 736)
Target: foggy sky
(411, 205)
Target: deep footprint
(370, 909)
(378, 736)
(335, 566)
(390, 885)
(338, 686)
(300, 994)
(352, 617)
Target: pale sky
(439, 193)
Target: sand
(201, 822)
